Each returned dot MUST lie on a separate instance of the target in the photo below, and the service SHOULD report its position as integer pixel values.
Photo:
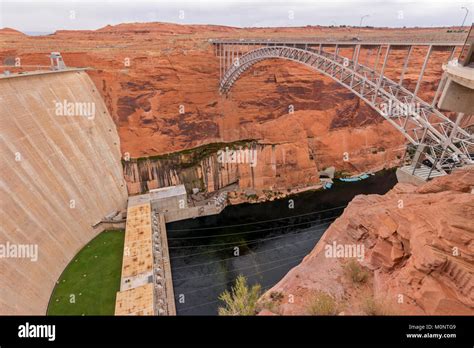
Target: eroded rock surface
(419, 254)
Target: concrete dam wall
(60, 174)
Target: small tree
(241, 300)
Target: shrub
(271, 302)
(322, 304)
(355, 272)
(242, 300)
(276, 295)
(371, 306)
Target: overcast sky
(48, 16)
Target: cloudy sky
(48, 16)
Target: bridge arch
(421, 125)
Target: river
(261, 241)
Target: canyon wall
(160, 84)
(418, 256)
(60, 174)
(253, 166)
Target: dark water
(203, 250)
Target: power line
(250, 275)
(253, 231)
(199, 305)
(242, 268)
(245, 243)
(233, 257)
(251, 223)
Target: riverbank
(240, 196)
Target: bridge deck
(259, 41)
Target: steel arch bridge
(440, 139)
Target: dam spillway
(60, 176)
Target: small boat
(356, 178)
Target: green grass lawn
(92, 278)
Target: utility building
(169, 198)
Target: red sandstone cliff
(146, 71)
(419, 255)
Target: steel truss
(443, 141)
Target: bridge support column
(377, 58)
(422, 72)
(405, 66)
(379, 82)
(407, 178)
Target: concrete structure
(135, 301)
(146, 286)
(458, 92)
(57, 62)
(172, 203)
(137, 265)
(328, 172)
(193, 212)
(162, 278)
(444, 141)
(405, 175)
(164, 199)
(60, 174)
(458, 81)
(169, 198)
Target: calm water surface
(269, 239)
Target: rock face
(60, 174)
(276, 167)
(418, 254)
(160, 84)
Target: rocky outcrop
(418, 255)
(276, 167)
